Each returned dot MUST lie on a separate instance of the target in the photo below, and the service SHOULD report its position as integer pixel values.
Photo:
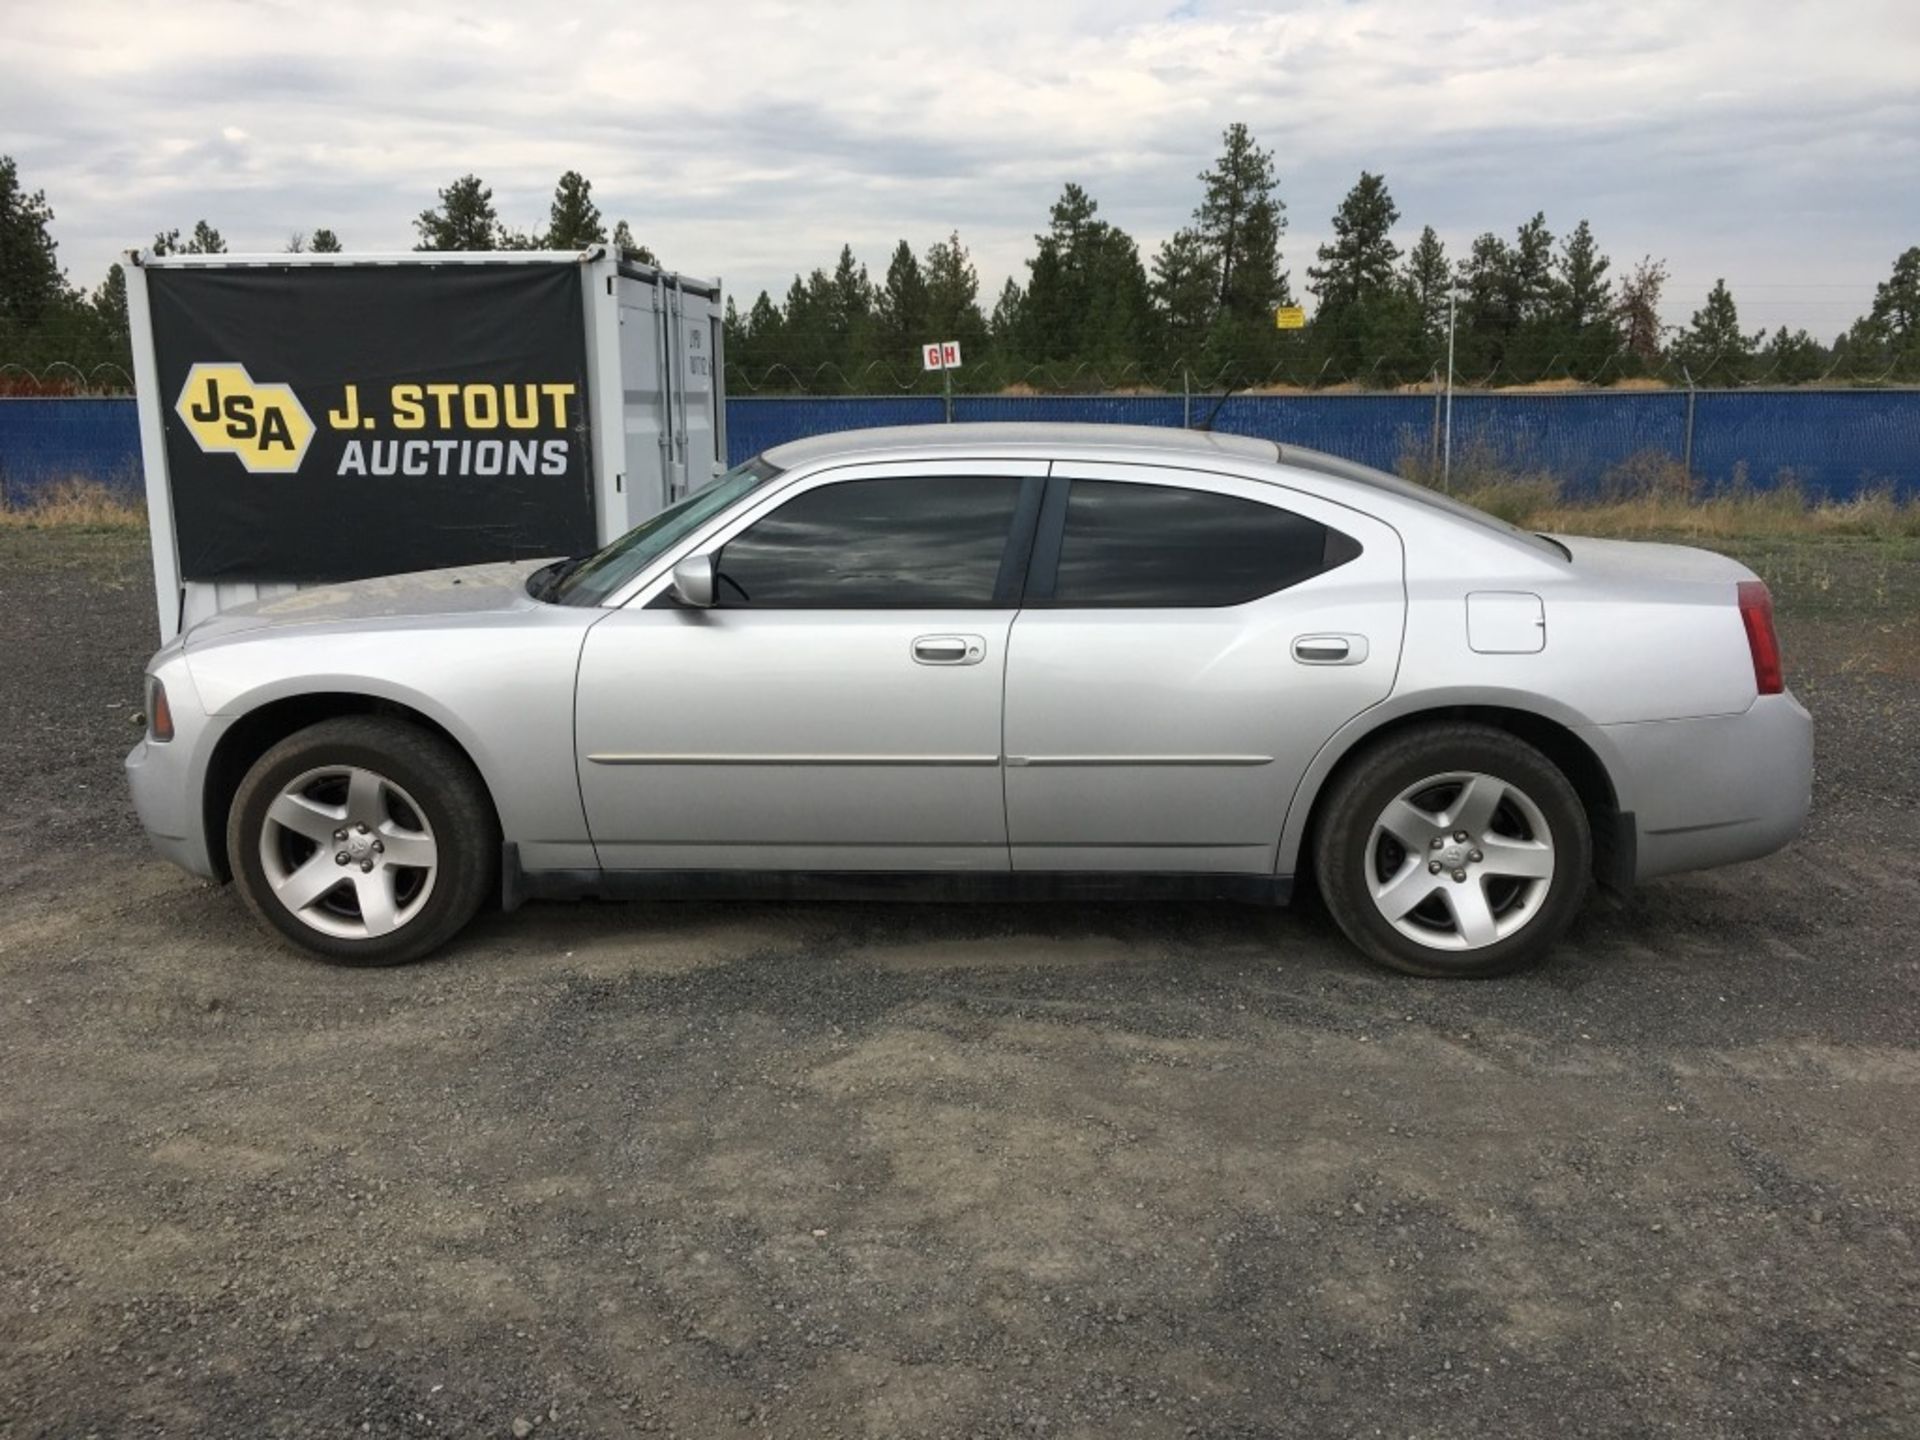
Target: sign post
(944, 356)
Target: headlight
(159, 713)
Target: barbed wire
(998, 372)
(105, 378)
(1403, 373)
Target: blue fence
(44, 442)
(1834, 443)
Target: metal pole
(1446, 440)
(947, 375)
(1686, 454)
(1433, 431)
(1186, 397)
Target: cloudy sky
(1772, 142)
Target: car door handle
(1330, 649)
(949, 649)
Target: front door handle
(949, 649)
(1330, 649)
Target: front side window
(931, 542)
(1128, 544)
(591, 580)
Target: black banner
(333, 422)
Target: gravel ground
(866, 1171)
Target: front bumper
(1716, 789)
(165, 801)
(167, 778)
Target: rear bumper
(1714, 790)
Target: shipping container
(307, 419)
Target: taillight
(1756, 613)
(159, 713)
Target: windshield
(592, 580)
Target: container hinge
(618, 480)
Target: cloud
(1770, 145)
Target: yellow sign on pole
(1289, 317)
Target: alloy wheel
(1459, 861)
(348, 852)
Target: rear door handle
(1330, 649)
(949, 649)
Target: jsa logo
(229, 413)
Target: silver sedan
(994, 661)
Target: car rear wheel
(364, 840)
(1454, 850)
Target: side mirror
(693, 581)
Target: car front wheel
(364, 840)
(1454, 850)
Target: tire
(1411, 894)
(363, 840)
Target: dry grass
(1878, 515)
(1648, 495)
(1651, 494)
(76, 504)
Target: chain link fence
(1833, 444)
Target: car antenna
(1225, 395)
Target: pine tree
(324, 242)
(1240, 219)
(764, 319)
(573, 220)
(759, 348)
(1586, 295)
(1367, 325)
(205, 240)
(1086, 298)
(31, 281)
(1008, 316)
(1584, 327)
(1712, 348)
(1429, 281)
(1888, 336)
(1896, 300)
(852, 291)
(1359, 263)
(1185, 286)
(1533, 286)
(1486, 316)
(806, 337)
(953, 295)
(902, 308)
(109, 303)
(850, 313)
(466, 219)
(1792, 359)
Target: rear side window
(1164, 545)
(914, 543)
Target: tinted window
(597, 576)
(935, 542)
(1150, 545)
